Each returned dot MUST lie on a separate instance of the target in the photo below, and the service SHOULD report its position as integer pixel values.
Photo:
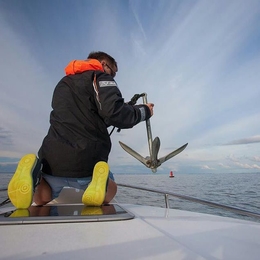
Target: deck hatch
(65, 214)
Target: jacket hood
(79, 66)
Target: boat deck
(66, 229)
(154, 233)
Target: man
(76, 149)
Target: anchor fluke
(135, 154)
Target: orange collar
(79, 66)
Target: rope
(5, 202)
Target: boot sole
(20, 188)
(95, 193)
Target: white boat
(126, 231)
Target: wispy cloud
(5, 137)
(138, 36)
(198, 61)
(224, 166)
(206, 167)
(248, 140)
(247, 166)
(256, 158)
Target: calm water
(236, 190)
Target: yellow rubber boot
(20, 187)
(95, 193)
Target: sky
(198, 62)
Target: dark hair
(99, 55)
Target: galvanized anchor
(151, 161)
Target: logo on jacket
(107, 84)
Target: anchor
(151, 161)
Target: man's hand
(150, 106)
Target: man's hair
(99, 55)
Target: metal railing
(166, 195)
(205, 202)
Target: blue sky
(198, 61)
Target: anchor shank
(148, 128)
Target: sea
(239, 190)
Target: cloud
(197, 61)
(248, 140)
(224, 166)
(247, 166)
(5, 137)
(8, 164)
(25, 95)
(206, 167)
(256, 158)
(244, 161)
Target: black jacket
(84, 105)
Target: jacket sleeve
(112, 107)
